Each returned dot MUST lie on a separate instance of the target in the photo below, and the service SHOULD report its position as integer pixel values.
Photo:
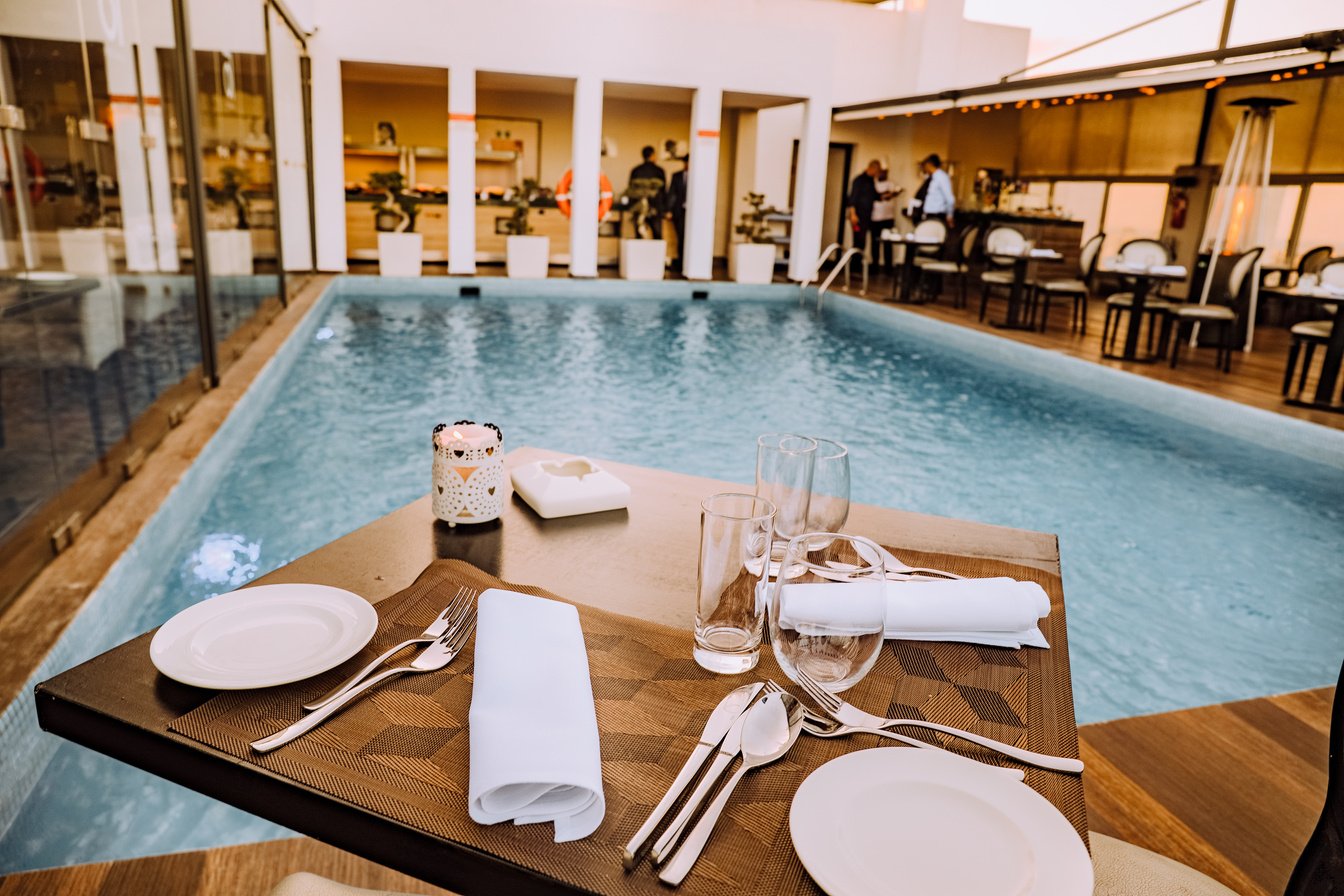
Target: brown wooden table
(640, 562)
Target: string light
(1287, 75)
(998, 105)
(1035, 104)
(1276, 77)
(1055, 101)
(1148, 91)
(1319, 66)
(1209, 85)
(1020, 104)
(1108, 97)
(1069, 101)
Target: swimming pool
(1200, 564)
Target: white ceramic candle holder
(468, 474)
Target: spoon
(772, 726)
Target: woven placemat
(402, 751)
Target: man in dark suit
(649, 171)
(676, 208)
(862, 194)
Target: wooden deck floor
(1233, 790)
(1255, 379)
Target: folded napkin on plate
(1042, 253)
(1168, 270)
(999, 612)
(533, 729)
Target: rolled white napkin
(535, 755)
(1043, 253)
(1168, 270)
(999, 612)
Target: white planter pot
(85, 250)
(527, 257)
(230, 252)
(399, 254)
(752, 262)
(643, 259)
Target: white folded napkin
(998, 612)
(533, 729)
(1168, 270)
(1042, 253)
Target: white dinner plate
(46, 276)
(892, 820)
(263, 636)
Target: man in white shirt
(938, 199)
(884, 217)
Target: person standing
(862, 194)
(676, 209)
(649, 171)
(884, 217)
(938, 201)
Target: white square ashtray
(568, 486)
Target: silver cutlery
(894, 564)
(721, 721)
(847, 714)
(819, 727)
(772, 726)
(431, 634)
(729, 749)
(432, 658)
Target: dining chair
(1123, 869)
(998, 274)
(958, 266)
(1230, 299)
(1138, 253)
(1320, 868)
(1077, 288)
(304, 883)
(1311, 333)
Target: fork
(429, 636)
(848, 714)
(434, 657)
(817, 726)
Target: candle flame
(456, 434)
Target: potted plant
(753, 258)
(527, 256)
(642, 256)
(229, 242)
(400, 248)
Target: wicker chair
(1145, 253)
(998, 274)
(959, 266)
(1230, 299)
(1077, 288)
(1312, 333)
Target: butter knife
(721, 721)
(728, 750)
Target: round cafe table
(1143, 280)
(1324, 397)
(1013, 317)
(912, 246)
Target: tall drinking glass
(828, 608)
(828, 507)
(784, 465)
(734, 559)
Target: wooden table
(1013, 316)
(639, 561)
(1143, 280)
(912, 251)
(1324, 398)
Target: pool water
(1198, 567)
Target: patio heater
(1237, 221)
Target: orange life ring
(606, 197)
(37, 179)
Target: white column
(156, 160)
(291, 160)
(809, 192)
(702, 184)
(586, 163)
(328, 155)
(137, 223)
(461, 170)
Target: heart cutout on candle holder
(467, 472)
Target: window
(1320, 223)
(1081, 200)
(1133, 211)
